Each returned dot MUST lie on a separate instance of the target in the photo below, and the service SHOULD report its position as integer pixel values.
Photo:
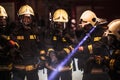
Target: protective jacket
(28, 39)
(58, 44)
(90, 58)
(5, 47)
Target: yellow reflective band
(90, 49)
(42, 52)
(50, 49)
(32, 36)
(71, 66)
(98, 59)
(106, 57)
(6, 67)
(117, 52)
(63, 39)
(42, 58)
(71, 47)
(97, 38)
(54, 38)
(10, 66)
(20, 37)
(67, 50)
(8, 37)
(17, 44)
(112, 61)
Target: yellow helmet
(3, 11)
(89, 16)
(114, 28)
(60, 15)
(26, 9)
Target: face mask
(3, 21)
(26, 20)
(59, 28)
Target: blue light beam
(60, 66)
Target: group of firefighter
(26, 47)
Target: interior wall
(80, 10)
(10, 9)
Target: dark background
(108, 9)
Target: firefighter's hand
(41, 65)
(42, 56)
(9, 43)
(50, 67)
(80, 48)
(13, 44)
(79, 52)
(54, 69)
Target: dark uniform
(5, 47)
(57, 41)
(57, 55)
(26, 33)
(89, 60)
(28, 41)
(114, 64)
(113, 43)
(5, 59)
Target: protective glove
(13, 44)
(42, 55)
(9, 43)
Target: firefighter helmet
(114, 28)
(26, 10)
(3, 12)
(60, 15)
(89, 16)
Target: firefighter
(58, 41)
(26, 33)
(88, 60)
(5, 46)
(113, 42)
